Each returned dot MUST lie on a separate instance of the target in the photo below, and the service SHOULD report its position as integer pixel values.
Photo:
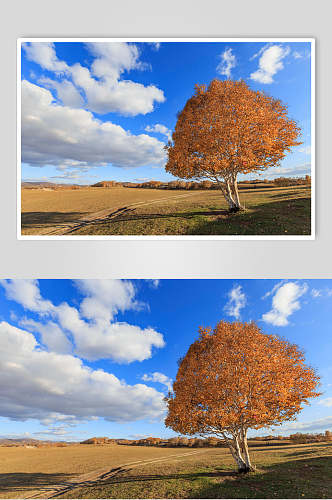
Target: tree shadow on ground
(302, 453)
(291, 216)
(174, 215)
(291, 195)
(281, 446)
(23, 481)
(43, 219)
(303, 478)
(123, 479)
(284, 217)
(298, 478)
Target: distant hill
(106, 184)
(99, 440)
(21, 441)
(49, 185)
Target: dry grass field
(112, 471)
(23, 471)
(128, 211)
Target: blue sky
(104, 111)
(95, 357)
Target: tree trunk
(236, 195)
(225, 189)
(242, 466)
(231, 194)
(235, 445)
(246, 456)
(230, 199)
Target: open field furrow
(105, 215)
(284, 470)
(128, 211)
(91, 479)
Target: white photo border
(312, 235)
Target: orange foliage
(226, 129)
(235, 378)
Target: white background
(157, 258)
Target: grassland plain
(112, 471)
(133, 211)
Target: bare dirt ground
(49, 472)
(127, 211)
(114, 471)
(58, 212)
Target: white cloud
(236, 301)
(271, 292)
(67, 137)
(301, 55)
(103, 90)
(105, 297)
(270, 63)
(297, 170)
(97, 336)
(66, 91)
(323, 292)
(43, 53)
(51, 334)
(158, 377)
(325, 402)
(305, 149)
(156, 45)
(125, 97)
(297, 55)
(160, 129)
(154, 283)
(260, 51)
(227, 63)
(314, 425)
(284, 303)
(39, 384)
(26, 292)
(99, 339)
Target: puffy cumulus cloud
(38, 384)
(101, 86)
(66, 91)
(99, 339)
(160, 129)
(104, 298)
(51, 335)
(43, 53)
(227, 63)
(284, 303)
(89, 331)
(66, 137)
(26, 292)
(236, 301)
(113, 58)
(270, 62)
(125, 97)
(158, 377)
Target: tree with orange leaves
(227, 129)
(236, 378)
